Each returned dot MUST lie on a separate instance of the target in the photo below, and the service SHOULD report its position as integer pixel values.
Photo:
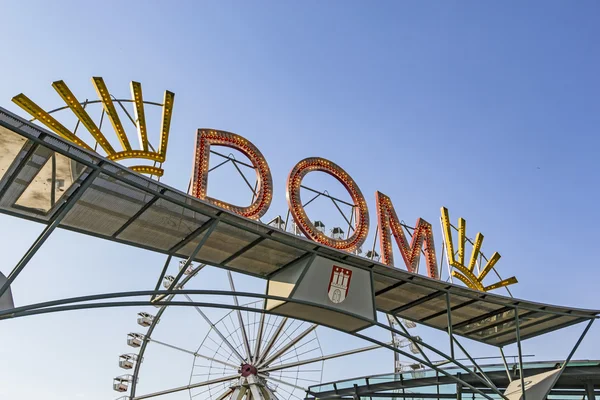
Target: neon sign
(361, 226)
(264, 182)
(388, 222)
(422, 241)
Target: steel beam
(407, 333)
(243, 250)
(564, 365)
(47, 309)
(483, 317)
(9, 179)
(589, 390)
(456, 307)
(137, 214)
(417, 302)
(56, 220)
(518, 333)
(449, 312)
(505, 365)
(392, 287)
(162, 275)
(210, 227)
(475, 364)
(240, 320)
(194, 234)
(229, 306)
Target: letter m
(422, 238)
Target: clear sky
(488, 108)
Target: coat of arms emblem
(339, 284)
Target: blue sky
(490, 109)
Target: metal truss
(164, 298)
(75, 304)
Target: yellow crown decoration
(466, 273)
(146, 151)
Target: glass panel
(429, 307)
(163, 225)
(223, 242)
(105, 206)
(505, 321)
(10, 146)
(382, 282)
(539, 325)
(472, 311)
(456, 302)
(266, 257)
(401, 296)
(56, 173)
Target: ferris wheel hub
(248, 369)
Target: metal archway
(72, 304)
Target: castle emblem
(339, 284)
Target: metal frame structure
(398, 365)
(400, 293)
(84, 302)
(578, 380)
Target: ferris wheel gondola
(245, 354)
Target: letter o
(361, 221)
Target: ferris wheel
(246, 354)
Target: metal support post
(409, 335)
(520, 352)
(56, 220)
(505, 365)
(564, 365)
(449, 313)
(475, 364)
(162, 275)
(458, 391)
(209, 227)
(589, 390)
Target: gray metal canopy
(579, 377)
(40, 173)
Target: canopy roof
(571, 382)
(40, 171)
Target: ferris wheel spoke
(317, 359)
(217, 351)
(269, 395)
(298, 378)
(282, 382)
(187, 387)
(259, 336)
(301, 353)
(288, 346)
(297, 355)
(273, 339)
(224, 395)
(217, 331)
(290, 393)
(240, 320)
(192, 353)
